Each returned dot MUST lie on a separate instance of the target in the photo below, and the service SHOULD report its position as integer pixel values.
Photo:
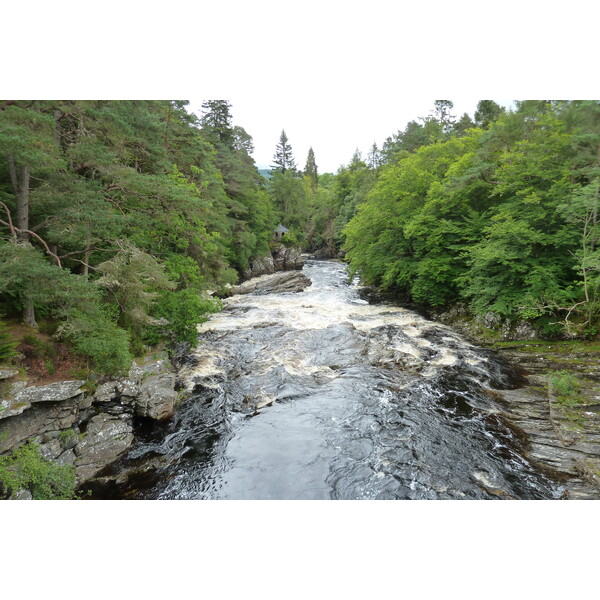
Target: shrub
(182, 310)
(24, 468)
(566, 387)
(101, 341)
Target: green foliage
(566, 387)
(504, 217)
(25, 468)
(128, 199)
(102, 342)
(8, 344)
(181, 311)
(290, 240)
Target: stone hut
(280, 231)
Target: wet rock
(325, 253)
(157, 397)
(277, 283)
(106, 438)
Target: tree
(374, 157)
(216, 121)
(463, 124)
(441, 113)
(310, 170)
(487, 112)
(284, 157)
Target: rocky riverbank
(562, 433)
(74, 423)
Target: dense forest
(499, 212)
(117, 218)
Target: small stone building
(280, 231)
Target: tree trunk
(23, 202)
(29, 314)
(20, 184)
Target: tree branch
(14, 230)
(10, 223)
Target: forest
(119, 219)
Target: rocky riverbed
(317, 394)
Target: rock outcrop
(76, 426)
(276, 283)
(282, 258)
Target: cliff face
(282, 258)
(88, 429)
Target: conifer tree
(283, 157)
(374, 157)
(216, 121)
(310, 170)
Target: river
(322, 395)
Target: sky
(335, 127)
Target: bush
(182, 310)
(101, 341)
(25, 468)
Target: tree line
(498, 211)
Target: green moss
(24, 468)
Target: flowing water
(319, 395)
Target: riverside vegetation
(119, 219)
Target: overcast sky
(335, 127)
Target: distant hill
(266, 173)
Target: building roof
(281, 229)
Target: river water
(321, 395)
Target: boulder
(263, 265)
(287, 258)
(105, 439)
(157, 397)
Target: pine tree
(283, 157)
(310, 170)
(442, 113)
(216, 121)
(374, 157)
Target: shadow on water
(322, 394)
